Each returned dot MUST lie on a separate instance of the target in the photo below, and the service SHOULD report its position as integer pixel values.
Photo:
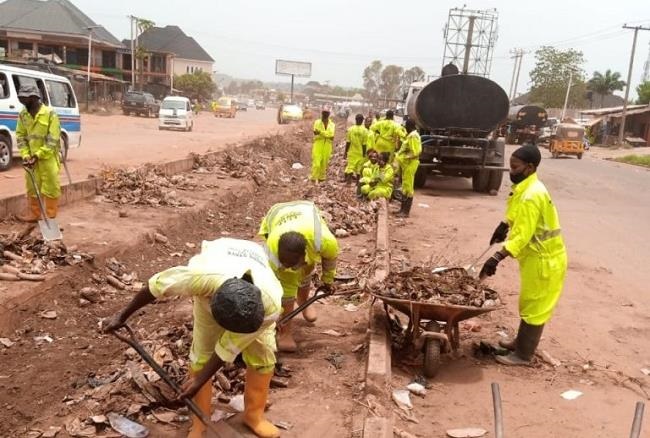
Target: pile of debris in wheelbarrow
(428, 285)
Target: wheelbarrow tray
(435, 311)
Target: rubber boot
(511, 344)
(525, 345)
(32, 211)
(203, 400)
(405, 209)
(286, 342)
(309, 313)
(256, 392)
(51, 207)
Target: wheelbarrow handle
(133, 343)
(317, 296)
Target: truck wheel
(420, 178)
(580, 156)
(480, 180)
(432, 351)
(5, 152)
(494, 181)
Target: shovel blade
(50, 230)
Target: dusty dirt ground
(599, 331)
(36, 396)
(118, 140)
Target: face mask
(516, 178)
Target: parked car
(259, 105)
(225, 107)
(289, 113)
(56, 92)
(176, 113)
(140, 104)
(242, 105)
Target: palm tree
(605, 84)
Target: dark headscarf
(528, 154)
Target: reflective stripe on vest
(546, 235)
(318, 230)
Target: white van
(56, 92)
(176, 113)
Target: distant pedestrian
(355, 149)
(321, 152)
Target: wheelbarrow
(433, 327)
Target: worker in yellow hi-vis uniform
(355, 146)
(297, 238)
(408, 158)
(38, 134)
(237, 300)
(321, 151)
(387, 134)
(533, 236)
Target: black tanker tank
(464, 102)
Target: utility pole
(468, 44)
(517, 54)
(90, 60)
(646, 67)
(621, 129)
(566, 98)
(521, 56)
(132, 18)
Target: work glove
(500, 233)
(29, 161)
(328, 288)
(490, 265)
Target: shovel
(49, 227)
(320, 293)
(471, 269)
(227, 431)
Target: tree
(232, 88)
(391, 81)
(372, 79)
(550, 77)
(197, 85)
(643, 90)
(413, 74)
(605, 84)
(142, 25)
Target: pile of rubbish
(26, 257)
(145, 186)
(451, 286)
(344, 213)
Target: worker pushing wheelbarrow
(435, 303)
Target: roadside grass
(637, 160)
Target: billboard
(296, 68)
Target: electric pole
(132, 18)
(621, 129)
(517, 54)
(646, 67)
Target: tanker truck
(457, 115)
(525, 123)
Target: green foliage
(197, 85)
(643, 90)
(550, 77)
(638, 160)
(604, 84)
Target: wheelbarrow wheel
(432, 351)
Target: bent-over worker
(237, 300)
(297, 238)
(38, 135)
(321, 151)
(532, 236)
(379, 184)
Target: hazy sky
(341, 37)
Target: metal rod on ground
(130, 340)
(638, 420)
(498, 414)
(302, 307)
(621, 129)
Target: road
(117, 140)
(602, 321)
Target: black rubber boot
(511, 344)
(525, 345)
(405, 210)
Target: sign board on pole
(296, 68)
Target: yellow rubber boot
(286, 342)
(32, 211)
(203, 400)
(309, 313)
(256, 393)
(51, 207)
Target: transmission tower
(470, 36)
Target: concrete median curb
(378, 366)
